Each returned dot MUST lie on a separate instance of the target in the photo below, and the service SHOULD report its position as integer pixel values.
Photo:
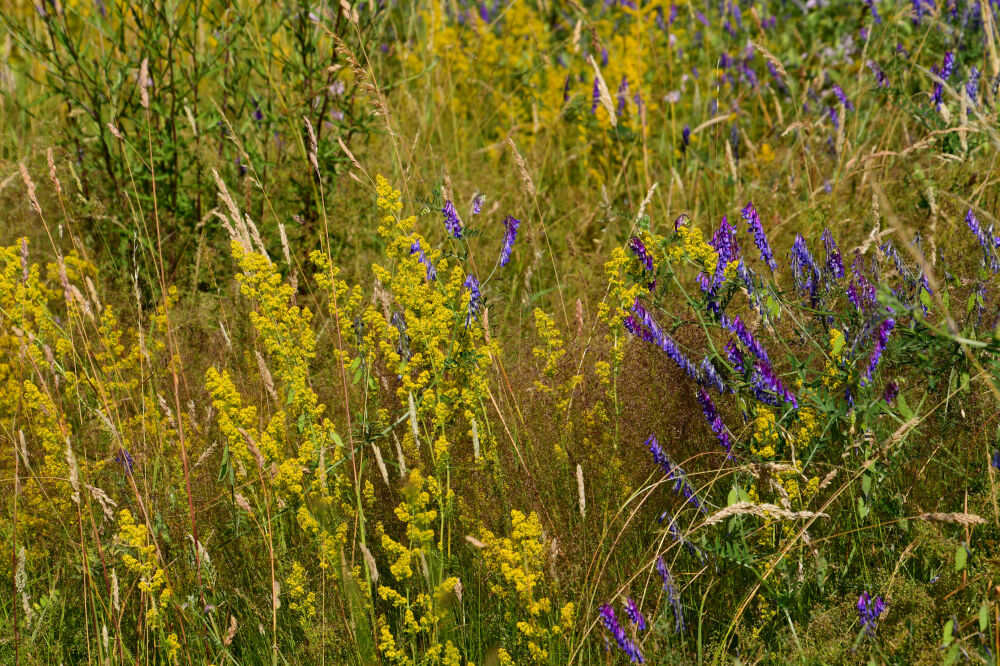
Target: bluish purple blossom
(422, 258)
(639, 250)
(869, 611)
(890, 393)
(834, 267)
(881, 79)
(644, 326)
(618, 633)
(477, 203)
(672, 595)
(715, 421)
(451, 221)
(987, 242)
(759, 238)
(881, 340)
(635, 615)
(768, 380)
(475, 298)
(124, 458)
(510, 224)
(674, 473)
(743, 334)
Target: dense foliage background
(499, 332)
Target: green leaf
(862, 508)
(961, 557)
(838, 344)
(904, 408)
(301, 423)
(866, 484)
(984, 617)
(734, 496)
(925, 298)
(291, 396)
(947, 638)
(337, 440)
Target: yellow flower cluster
(139, 557)
(517, 562)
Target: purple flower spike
(477, 203)
(737, 326)
(842, 97)
(642, 254)
(422, 258)
(759, 238)
(475, 299)
(124, 458)
(672, 596)
(769, 381)
(804, 269)
(644, 326)
(869, 611)
(986, 241)
(634, 614)
(451, 221)
(881, 79)
(674, 473)
(890, 393)
(618, 633)
(715, 421)
(510, 235)
(834, 261)
(881, 340)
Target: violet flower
(644, 326)
(869, 611)
(672, 595)
(639, 249)
(422, 258)
(618, 633)
(451, 221)
(475, 298)
(881, 339)
(674, 473)
(768, 380)
(635, 615)
(759, 238)
(715, 421)
(510, 224)
(834, 261)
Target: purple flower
(738, 328)
(768, 380)
(124, 458)
(759, 238)
(674, 473)
(995, 460)
(477, 203)
(451, 221)
(710, 376)
(597, 96)
(672, 596)
(510, 235)
(986, 241)
(834, 261)
(634, 614)
(881, 80)
(644, 326)
(804, 269)
(639, 249)
(869, 611)
(881, 339)
(622, 95)
(890, 393)
(972, 86)
(715, 421)
(842, 98)
(475, 298)
(422, 258)
(618, 633)
(947, 67)
(735, 355)
(874, 11)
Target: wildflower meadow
(499, 332)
